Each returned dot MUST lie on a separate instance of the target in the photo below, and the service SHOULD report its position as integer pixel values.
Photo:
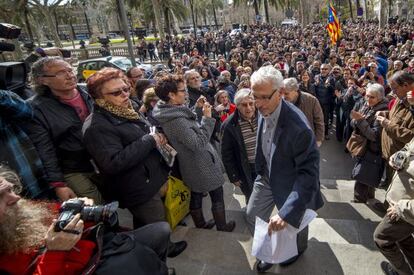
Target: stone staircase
(340, 238)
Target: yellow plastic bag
(177, 201)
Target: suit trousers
(85, 185)
(261, 204)
(149, 212)
(396, 242)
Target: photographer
(24, 249)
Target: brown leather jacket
(399, 130)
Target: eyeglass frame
(63, 73)
(266, 98)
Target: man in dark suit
(287, 162)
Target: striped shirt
(249, 131)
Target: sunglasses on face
(119, 92)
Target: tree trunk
(205, 19)
(73, 34)
(256, 8)
(214, 14)
(47, 13)
(88, 27)
(382, 17)
(266, 9)
(389, 9)
(365, 10)
(193, 17)
(56, 22)
(350, 9)
(157, 12)
(167, 21)
(27, 23)
(302, 13)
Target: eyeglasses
(61, 74)
(247, 104)
(125, 90)
(265, 98)
(370, 96)
(181, 90)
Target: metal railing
(82, 54)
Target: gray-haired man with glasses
(60, 108)
(287, 162)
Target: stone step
(332, 191)
(342, 231)
(222, 253)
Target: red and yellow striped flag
(333, 27)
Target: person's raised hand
(200, 101)
(64, 241)
(356, 115)
(207, 109)
(163, 139)
(64, 193)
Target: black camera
(99, 213)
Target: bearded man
(29, 243)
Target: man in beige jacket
(308, 104)
(398, 125)
(394, 235)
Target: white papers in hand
(281, 245)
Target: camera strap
(99, 234)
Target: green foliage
(176, 7)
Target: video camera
(99, 213)
(12, 74)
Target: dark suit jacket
(294, 175)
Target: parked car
(88, 67)
(288, 22)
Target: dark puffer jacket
(126, 155)
(56, 132)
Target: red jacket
(51, 262)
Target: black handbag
(369, 169)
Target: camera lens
(100, 213)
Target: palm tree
(151, 9)
(46, 9)
(216, 4)
(248, 3)
(173, 8)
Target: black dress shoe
(176, 249)
(262, 267)
(358, 201)
(388, 269)
(290, 261)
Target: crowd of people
(255, 106)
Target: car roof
(108, 58)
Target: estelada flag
(333, 27)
